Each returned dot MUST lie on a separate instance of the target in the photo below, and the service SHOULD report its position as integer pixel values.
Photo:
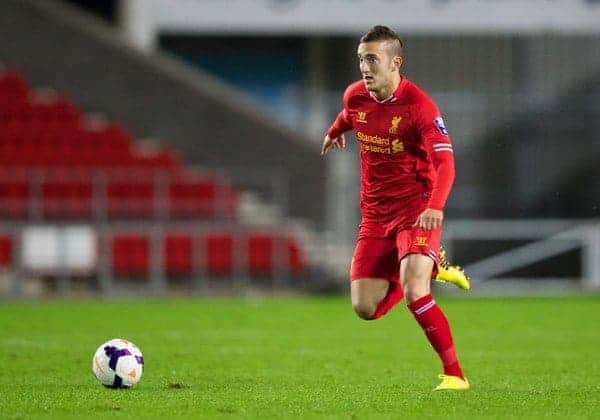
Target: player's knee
(364, 310)
(415, 288)
(413, 295)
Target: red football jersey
(406, 155)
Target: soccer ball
(118, 363)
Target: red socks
(435, 325)
(393, 296)
(433, 321)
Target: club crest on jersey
(439, 123)
(361, 117)
(395, 121)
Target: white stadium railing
(546, 239)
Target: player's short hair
(384, 33)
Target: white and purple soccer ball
(118, 363)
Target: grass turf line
(301, 357)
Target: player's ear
(397, 62)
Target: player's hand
(430, 219)
(329, 143)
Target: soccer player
(407, 171)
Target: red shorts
(379, 256)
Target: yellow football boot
(451, 273)
(452, 383)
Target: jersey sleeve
(438, 144)
(343, 122)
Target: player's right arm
(331, 143)
(335, 135)
(334, 139)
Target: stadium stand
(157, 96)
(57, 165)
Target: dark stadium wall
(106, 9)
(547, 159)
(156, 97)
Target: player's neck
(388, 90)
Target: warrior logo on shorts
(421, 241)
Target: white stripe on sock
(425, 307)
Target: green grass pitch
(301, 357)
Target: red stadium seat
(14, 199)
(13, 85)
(168, 159)
(227, 201)
(65, 111)
(11, 110)
(58, 111)
(164, 159)
(130, 254)
(22, 112)
(178, 254)
(295, 257)
(269, 252)
(127, 199)
(67, 199)
(192, 198)
(260, 254)
(5, 251)
(115, 138)
(218, 253)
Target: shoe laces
(443, 261)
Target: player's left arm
(438, 144)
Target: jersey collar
(394, 96)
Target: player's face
(378, 66)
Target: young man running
(407, 171)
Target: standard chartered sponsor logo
(397, 146)
(379, 144)
(365, 138)
(376, 149)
